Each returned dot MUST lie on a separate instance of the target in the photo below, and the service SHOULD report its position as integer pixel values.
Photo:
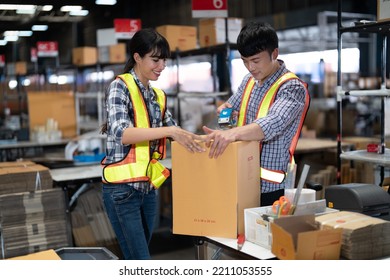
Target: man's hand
(218, 140)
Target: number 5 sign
(209, 8)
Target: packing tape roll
(307, 195)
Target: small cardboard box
(299, 238)
(210, 195)
(112, 54)
(44, 255)
(213, 31)
(83, 56)
(180, 37)
(383, 10)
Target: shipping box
(42, 256)
(213, 31)
(364, 237)
(209, 195)
(83, 56)
(299, 238)
(112, 54)
(383, 10)
(57, 105)
(180, 37)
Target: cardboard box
(58, 105)
(363, 237)
(83, 56)
(210, 195)
(180, 37)
(112, 54)
(213, 31)
(383, 10)
(299, 238)
(44, 255)
(17, 68)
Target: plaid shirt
(280, 124)
(120, 116)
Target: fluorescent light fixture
(81, 13)
(12, 38)
(3, 42)
(39, 27)
(25, 33)
(26, 10)
(11, 7)
(11, 33)
(16, 33)
(105, 2)
(47, 8)
(71, 8)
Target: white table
(249, 250)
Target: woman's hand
(187, 139)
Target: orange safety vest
(137, 165)
(275, 176)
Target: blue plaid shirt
(280, 124)
(120, 116)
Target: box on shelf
(17, 68)
(84, 56)
(112, 54)
(210, 195)
(182, 37)
(383, 10)
(299, 238)
(213, 31)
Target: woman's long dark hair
(143, 42)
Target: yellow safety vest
(275, 176)
(137, 165)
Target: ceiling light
(25, 33)
(39, 27)
(105, 2)
(26, 10)
(81, 13)
(47, 8)
(71, 8)
(11, 38)
(3, 42)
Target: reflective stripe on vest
(137, 164)
(275, 176)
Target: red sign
(209, 8)
(34, 54)
(2, 60)
(47, 49)
(125, 28)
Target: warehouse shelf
(364, 156)
(383, 157)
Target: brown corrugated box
(44, 255)
(364, 237)
(212, 31)
(182, 37)
(22, 176)
(83, 56)
(299, 238)
(210, 195)
(112, 54)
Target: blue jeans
(132, 215)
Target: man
(271, 105)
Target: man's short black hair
(256, 37)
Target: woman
(138, 123)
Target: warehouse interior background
(195, 81)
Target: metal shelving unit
(381, 159)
